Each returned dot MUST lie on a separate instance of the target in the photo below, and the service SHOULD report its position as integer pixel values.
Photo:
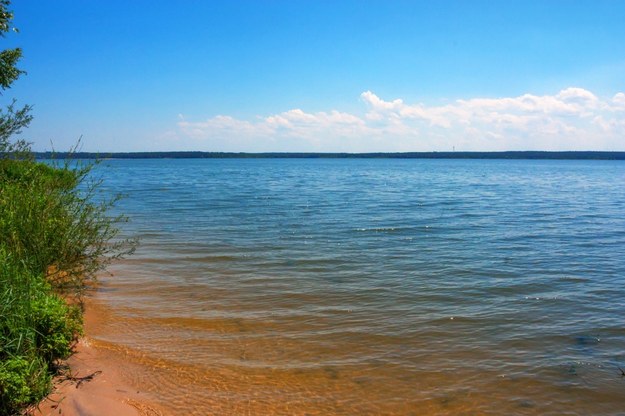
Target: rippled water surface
(317, 286)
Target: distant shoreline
(566, 155)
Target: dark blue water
(322, 286)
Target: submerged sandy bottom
(154, 363)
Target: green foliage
(56, 325)
(53, 237)
(36, 328)
(27, 171)
(8, 70)
(22, 381)
(6, 17)
(8, 57)
(48, 218)
(13, 120)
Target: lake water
(357, 287)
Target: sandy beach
(93, 384)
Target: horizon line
(198, 154)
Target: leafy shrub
(52, 238)
(36, 328)
(24, 375)
(23, 380)
(56, 325)
(26, 170)
(48, 218)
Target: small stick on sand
(80, 380)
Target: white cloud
(618, 101)
(572, 119)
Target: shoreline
(93, 384)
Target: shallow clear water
(317, 286)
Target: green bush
(37, 327)
(24, 375)
(53, 237)
(56, 325)
(49, 220)
(26, 170)
(23, 380)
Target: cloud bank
(572, 119)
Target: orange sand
(105, 394)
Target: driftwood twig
(80, 380)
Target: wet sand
(94, 385)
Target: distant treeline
(405, 155)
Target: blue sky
(322, 75)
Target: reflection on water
(371, 286)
